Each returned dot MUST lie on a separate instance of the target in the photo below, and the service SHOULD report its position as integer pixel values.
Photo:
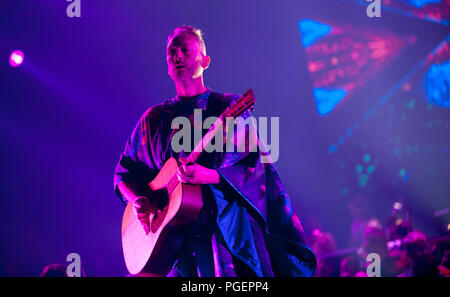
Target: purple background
(67, 112)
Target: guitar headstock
(245, 102)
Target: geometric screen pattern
(341, 59)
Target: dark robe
(247, 225)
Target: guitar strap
(215, 104)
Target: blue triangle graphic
(326, 100)
(438, 82)
(420, 3)
(311, 31)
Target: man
(247, 226)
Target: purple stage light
(16, 58)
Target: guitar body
(154, 254)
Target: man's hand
(192, 173)
(143, 209)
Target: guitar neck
(199, 148)
(245, 102)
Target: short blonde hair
(186, 29)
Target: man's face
(185, 59)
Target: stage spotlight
(316, 232)
(16, 58)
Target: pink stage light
(16, 58)
(316, 232)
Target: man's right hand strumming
(143, 209)
(141, 204)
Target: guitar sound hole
(158, 218)
(162, 200)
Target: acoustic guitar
(179, 205)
